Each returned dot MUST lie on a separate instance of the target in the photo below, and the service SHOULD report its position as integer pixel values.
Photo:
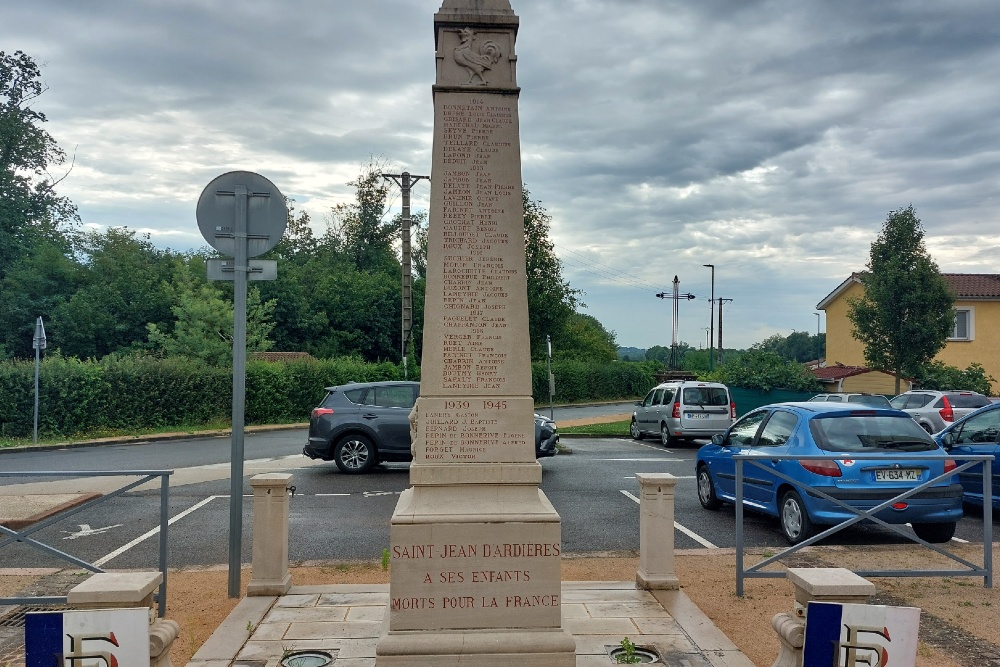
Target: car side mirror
(718, 439)
(948, 439)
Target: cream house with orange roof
(974, 339)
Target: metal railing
(971, 569)
(10, 536)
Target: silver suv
(683, 410)
(936, 409)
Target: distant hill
(632, 353)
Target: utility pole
(711, 318)
(676, 296)
(406, 181)
(721, 353)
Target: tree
(122, 287)
(797, 346)
(765, 370)
(551, 301)
(906, 313)
(938, 375)
(204, 323)
(364, 234)
(584, 338)
(30, 210)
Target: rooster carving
(476, 63)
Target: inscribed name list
(480, 326)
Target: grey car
(873, 400)
(683, 410)
(360, 424)
(934, 410)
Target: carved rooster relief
(476, 62)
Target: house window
(964, 321)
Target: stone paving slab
(346, 620)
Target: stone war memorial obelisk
(475, 544)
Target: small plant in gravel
(385, 559)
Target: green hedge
(581, 381)
(125, 394)
(132, 393)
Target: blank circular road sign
(266, 213)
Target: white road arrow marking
(87, 531)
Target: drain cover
(307, 659)
(15, 619)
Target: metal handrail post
(988, 523)
(161, 602)
(739, 528)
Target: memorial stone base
(475, 579)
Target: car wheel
(666, 439)
(706, 490)
(795, 523)
(927, 427)
(935, 533)
(634, 431)
(354, 455)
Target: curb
(19, 524)
(152, 437)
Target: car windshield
(899, 402)
(705, 396)
(873, 400)
(851, 432)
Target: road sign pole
(239, 389)
(242, 215)
(38, 342)
(37, 355)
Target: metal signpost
(241, 214)
(38, 342)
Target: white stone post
(820, 584)
(269, 573)
(656, 532)
(127, 590)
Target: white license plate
(901, 475)
(697, 415)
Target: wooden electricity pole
(406, 181)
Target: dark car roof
(365, 385)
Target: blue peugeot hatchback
(976, 433)
(808, 429)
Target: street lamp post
(552, 382)
(711, 320)
(818, 348)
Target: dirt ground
(197, 598)
(960, 622)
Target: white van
(683, 410)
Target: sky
(770, 138)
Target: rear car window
(874, 400)
(705, 396)
(354, 395)
(864, 433)
(967, 400)
(390, 397)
